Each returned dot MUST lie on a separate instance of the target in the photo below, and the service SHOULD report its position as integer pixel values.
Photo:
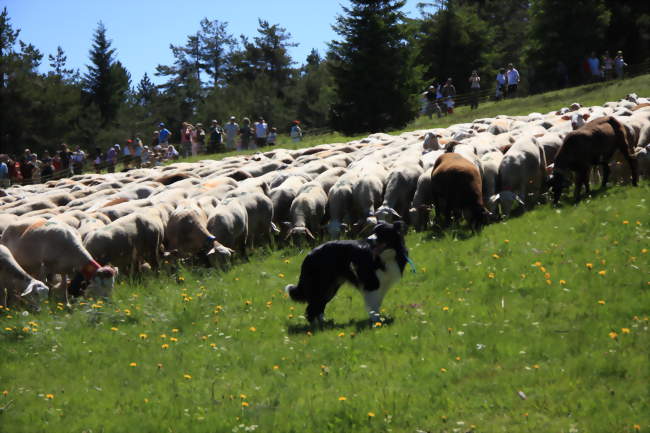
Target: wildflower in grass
(133, 364)
(175, 331)
(159, 365)
(589, 265)
(602, 273)
(458, 358)
(165, 346)
(537, 264)
(523, 276)
(341, 334)
(276, 367)
(625, 330)
(8, 329)
(248, 302)
(26, 329)
(213, 345)
(342, 398)
(114, 329)
(173, 339)
(443, 370)
(536, 366)
(143, 336)
(644, 251)
(626, 222)
(377, 324)
(495, 256)
(252, 329)
(371, 414)
(146, 400)
(269, 304)
(601, 302)
(187, 376)
(244, 404)
(603, 262)
(562, 282)
(526, 414)
(163, 336)
(242, 396)
(542, 269)
(636, 427)
(443, 418)
(491, 275)
(287, 261)
(281, 275)
(506, 241)
(49, 396)
(549, 282)
(613, 335)
(236, 278)
(290, 316)
(445, 308)
(423, 270)
(5, 392)
(127, 311)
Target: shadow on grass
(359, 325)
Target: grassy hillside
(538, 324)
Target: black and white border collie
(373, 265)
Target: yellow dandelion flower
(377, 324)
(159, 365)
(165, 346)
(601, 302)
(290, 316)
(8, 329)
(603, 262)
(113, 329)
(26, 329)
(143, 336)
(443, 370)
(175, 330)
(5, 392)
(549, 282)
(644, 251)
(445, 308)
(589, 265)
(491, 275)
(287, 261)
(248, 302)
(244, 404)
(49, 396)
(536, 366)
(537, 264)
(242, 396)
(281, 275)
(252, 329)
(342, 398)
(163, 336)
(341, 334)
(495, 256)
(506, 241)
(187, 376)
(626, 222)
(371, 414)
(636, 427)
(133, 364)
(523, 276)
(173, 339)
(146, 400)
(236, 278)
(562, 282)
(204, 337)
(276, 367)
(613, 335)
(458, 358)
(213, 345)
(625, 330)
(542, 269)
(602, 273)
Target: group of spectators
(439, 97)
(194, 140)
(604, 67)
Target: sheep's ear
(495, 198)
(566, 118)
(309, 234)
(519, 200)
(585, 116)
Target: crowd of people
(193, 140)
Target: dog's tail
(296, 293)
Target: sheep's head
(102, 283)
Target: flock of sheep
(71, 235)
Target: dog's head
(385, 236)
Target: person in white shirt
(501, 84)
(231, 129)
(513, 80)
(475, 88)
(296, 132)
(261, 129)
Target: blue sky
(141, 30)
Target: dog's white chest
(392, 274)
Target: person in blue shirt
(4, 172)
(164, 134)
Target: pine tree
(58, 63)
(215, 46)
(373, 68)
(104, 82)
(146, 90)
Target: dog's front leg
(373, 300)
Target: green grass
(459, 347)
